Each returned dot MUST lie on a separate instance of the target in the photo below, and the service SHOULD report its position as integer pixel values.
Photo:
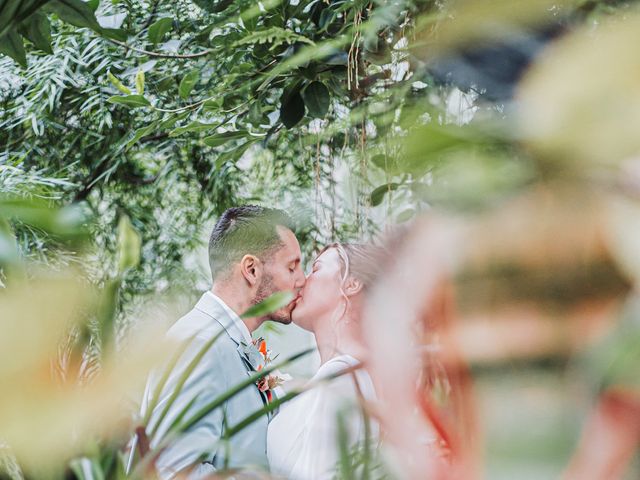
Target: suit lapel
(245, 357)
(211, 307)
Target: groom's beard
(265, 290)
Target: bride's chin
(297, 318)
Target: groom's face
(282, 272)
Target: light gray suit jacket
(221, 368)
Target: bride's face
(321, 293)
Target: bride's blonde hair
(363, 262)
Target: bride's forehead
(328, 256)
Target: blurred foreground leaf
(476, 21)
(269, 305)
(66, 222)
(129, 243)
(596, 122)
(615, 361)
(45, 422)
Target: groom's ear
(251, 269)
(352, 286)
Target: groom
(253, 253)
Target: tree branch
(161, 55)
(154, 10)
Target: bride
(302, 440)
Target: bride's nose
(304, 281)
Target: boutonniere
(267, 383)
(252, 354)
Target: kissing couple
(253, 253)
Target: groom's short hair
(247, 229)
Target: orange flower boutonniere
(269, 382)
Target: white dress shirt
(237, 321)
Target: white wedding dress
(302, 440)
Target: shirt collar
(237, 321)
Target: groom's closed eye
(293, 265)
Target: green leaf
(378, 194)
(187, 83)
(405, 215)
(38, 30)
(234, 154)
(154, 127)
(291, 109)
(75, 12)
(317, 98)
(213, 6)
(178, 419)
(133, 101)
(107, 312)
(212, 105)
(221, 138)
(345, 466)
(118, 84)
(159, 29)
(11, 45)
(140, 82)
(171, 120)
(327, 17)
(115, 33)
(139, 133)
(67, 222)
(8, 13)
(86, 468)
(8, 245)
(165, 84)
(129, 243)
(13, 12)
(386, 163)
(380, 160)
(274, 36)
(194, 126)
(268, 305)
(255, 112)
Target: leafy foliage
(28, 19)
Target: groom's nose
(300, 278)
